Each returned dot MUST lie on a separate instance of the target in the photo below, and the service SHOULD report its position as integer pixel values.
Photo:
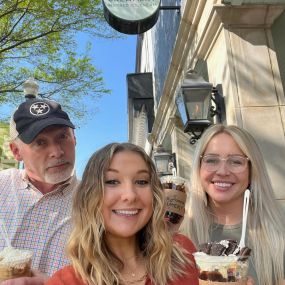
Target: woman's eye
(142, 182)
(236, 162)
(112, 182)
(212, 161)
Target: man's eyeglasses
(234, 163)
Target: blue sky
(115, 58)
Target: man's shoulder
(10, 173)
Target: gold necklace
(134, 277)
(134, 281)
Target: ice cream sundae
(14, 263)
(222, 262)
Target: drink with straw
(13, 262)
(175, 193)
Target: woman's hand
(38, 278)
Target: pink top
(67, 275)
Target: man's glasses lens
(234, 163)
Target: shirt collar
(63, 187)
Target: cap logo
(39, 109)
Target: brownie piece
(215, 276)
(205, 247)
(217, 249)
(232, 246)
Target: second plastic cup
(219, 270)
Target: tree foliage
(38, 39)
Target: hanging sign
(131, 16)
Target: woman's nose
(128, 192)
(222, 168)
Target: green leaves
(37, 38)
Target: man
(35, 202)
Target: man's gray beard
(59, 177)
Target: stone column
(255, 96)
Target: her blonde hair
(266, 218)
(87, 247)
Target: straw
(4, 233)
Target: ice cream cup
(175, 193)
(218, 270)
(15, 263)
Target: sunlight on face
(127, 205)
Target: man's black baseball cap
(34, 115)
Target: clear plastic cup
(175, 192)
(219, 270)
(15, 263)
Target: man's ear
(16, 151)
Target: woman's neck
(127, 250)
(228, 213)
(124, 249)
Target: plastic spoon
(4, 233)
(244, 220)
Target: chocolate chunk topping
(231, 248)
(217, 249)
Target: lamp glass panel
(197, 103)
(161, 162)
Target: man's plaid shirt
(34, 221)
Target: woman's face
(223, 185)
(127, 204)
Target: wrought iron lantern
(164, 161)
(198, 98)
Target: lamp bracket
(216, 98)
(194, 136)
(170, 8)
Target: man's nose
(56, 150)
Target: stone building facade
(239, 45)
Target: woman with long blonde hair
(119, 234)
(227, 161)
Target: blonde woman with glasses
(227, 161)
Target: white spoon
(244, 220)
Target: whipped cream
(11, 256)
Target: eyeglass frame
(225, 159)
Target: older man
(35, 202)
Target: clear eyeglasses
(234, 163)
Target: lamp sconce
(31, 88)
(165, 162)
(201, 103)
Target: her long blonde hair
(266, 218)
(87, 247)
